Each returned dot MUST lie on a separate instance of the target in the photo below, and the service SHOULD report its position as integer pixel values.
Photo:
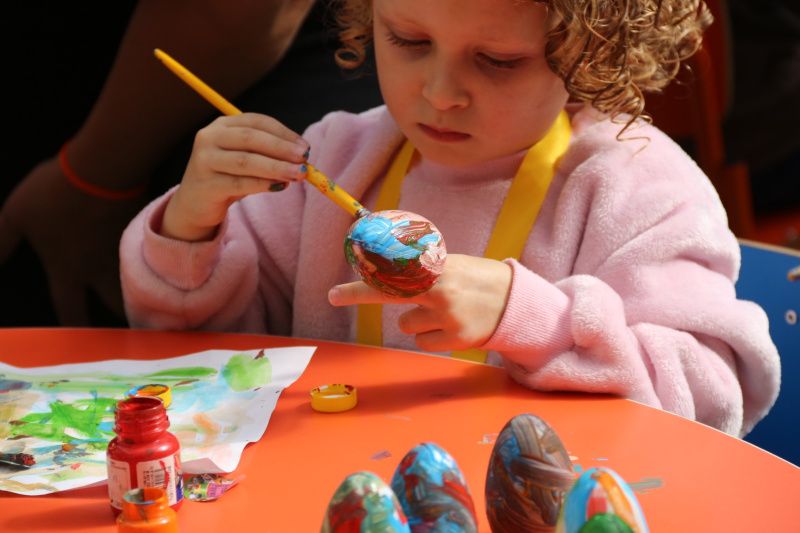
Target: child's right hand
(232, 157)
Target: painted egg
(433, 492)
(599, 502)
(364, 503)
(397, 252)
(529, 474)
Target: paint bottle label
(163, 473)
(119, 481)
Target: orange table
(701, 479)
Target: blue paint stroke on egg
(376, 234)
(433, 492)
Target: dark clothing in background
(56, 65)
(763, 126)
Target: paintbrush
(24, 460)
(313, 176)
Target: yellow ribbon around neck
(511, 230)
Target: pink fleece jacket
(626, 284)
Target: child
(625, 284)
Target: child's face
(466, 80)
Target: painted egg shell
(433, 492)
(364, 503)
(601, 501)
(397, 252)
(529, 474)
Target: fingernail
(303, 169)
(332, 294)
(278, 187)
(307, 153)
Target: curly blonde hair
(608, 52)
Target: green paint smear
(243, 372)
(178, 374)
(111, 384)
(83, 416)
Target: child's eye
(405, 43)
(499, 63)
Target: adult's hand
(76, 237)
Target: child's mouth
(443, 135)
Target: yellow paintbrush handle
(334, 192)
(213, 97)
(314, 176)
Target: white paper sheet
(64, 415)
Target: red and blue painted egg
(433, 492)
(364, 502)
(397, 252)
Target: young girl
(623, 279)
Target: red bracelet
(91, 189)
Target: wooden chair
(764, 279)
(691, 111)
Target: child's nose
(444, 89)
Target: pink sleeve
(574, 335)
(649, 311)
(242, 280)
(171, 284)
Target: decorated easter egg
(529, 474)
(601, 502)
(364, 502)
(433, 492)
(397, 252)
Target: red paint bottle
(143, 454)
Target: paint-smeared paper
(64, 415)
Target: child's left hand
(460, 311)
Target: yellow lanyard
(511, 230)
